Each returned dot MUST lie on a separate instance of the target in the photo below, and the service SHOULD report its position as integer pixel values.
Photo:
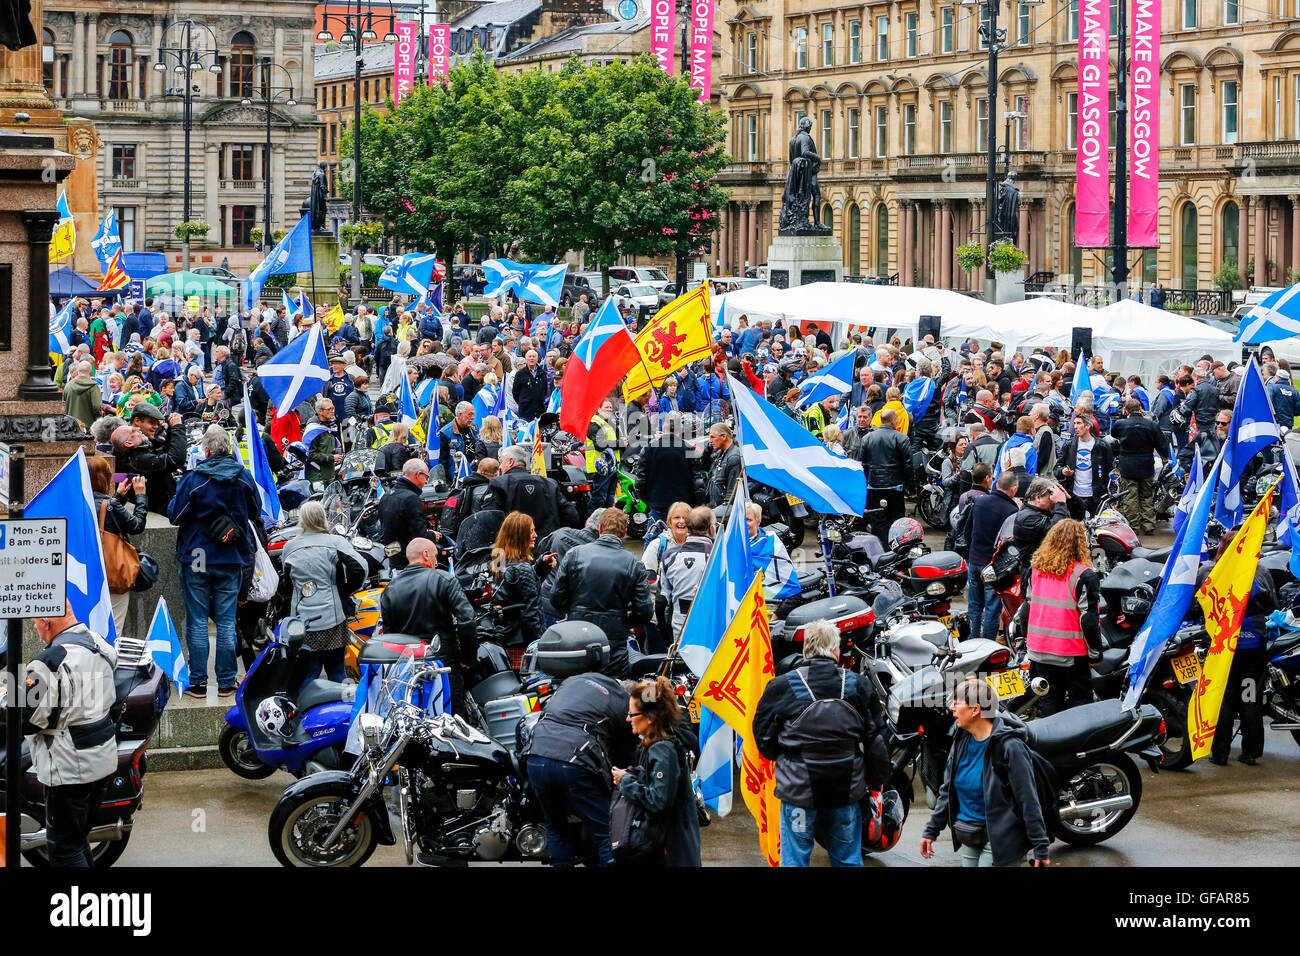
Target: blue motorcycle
(276, 726)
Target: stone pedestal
(1010, 287)
(799, 260)
(325, 273)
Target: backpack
(958, 537)
(823, 740)
(1049, 798)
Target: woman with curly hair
(1062, 632)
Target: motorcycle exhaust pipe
(1039, 686)
(1076, 811)
(113, 831)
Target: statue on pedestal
(316, 199)
(802, 193)
(16, 30)
(1008, 219)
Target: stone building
(99, 59)
(898, 96)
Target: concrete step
(184, 758)
(187, 734)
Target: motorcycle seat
(496, 686)
(1110, 660)
(391, 648)
(318, 692)
(1079, 728)
(810, 579)
(1285, 643)
(24, 756)
(645, 663)
(1152, 554)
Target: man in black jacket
(1140, 440)
(425, 600)
(1084, 467)
(529, 388)
(606, 585)
(724, 464)
(401, 515)
(887, 457)
(537, 496)
(559, 543)
(1202, 403)
(1044, 507)
(663, 473)
(150, 450)
(986, 518)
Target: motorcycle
(1110, 538)
(629, 501)
(142, 692)
(1282, 689)
(932, 495)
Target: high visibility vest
(380, 432)
(592, 452)
(1054, 626)
(815, 419)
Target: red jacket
(285, 430)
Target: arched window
(47, 60)
(1230, 224)
(1187, 245)
(882, 240)
(241, 65)
(854, 240)
(828, 216)
(120, 61)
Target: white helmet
(274, 715)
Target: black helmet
(386, 404)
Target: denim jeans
(561, 789)
(983, 606)
(838, 830)
(212, 593)
(603, 488)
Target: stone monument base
(799, 260)
(325, 273)
(1009, 287)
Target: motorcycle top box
(937, 574)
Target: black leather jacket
(887, 457)
(1031, 527)
(539, 498)
(585, 724)
(606, 585)
(157, 461)
(401, 519)
(429, 601)
(723, 472)
(518, 589)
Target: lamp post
(358, 29)
(268, 96)
(187, 59)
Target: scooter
(273, 726)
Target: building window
(828, 216)
(882, 240)
(1187, 113)
(909, 23)
(855, 41)
(1228, 95)
(945, 127)
(1230, 12)
(47, 60)
(945, 29)
(882, 131)
(1187, 239)
(334, 137)
(826, 134)
(751, 136)
(828, 44)
(124, 162)
(1072, 22)
(334, 96)
(909, 129)
(981, 123)
(1071, 120)
(1022, 23)
(1231, 219)
(882, 38)
(854, 238)
(1189, 21)
(981, 33)
(751, 52)
(241, 66)
(1277, 107)
(242, 220)
(126, 226)
(1020, 126)
(854, 115)
(241, 162)
(120, 65)
(801, 48)
(365, 89)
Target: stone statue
(16, 30)
(1008, 220)
(316, 201)
(802, 193)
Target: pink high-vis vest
(1054, 615)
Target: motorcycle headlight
(361, 543)
(893, 709)
(371, 726)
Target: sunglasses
(633, 714)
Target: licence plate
(1187, 668)
(1006, 684)
(693, 709)
(792, 500)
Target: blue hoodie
(217, 486)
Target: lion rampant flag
(333, 319)
(1223, 597)
(681, 333)
(63, 242)
(731, 687)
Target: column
(1023, 223)
(78, 55)
(211, 187)
(945, 244)
(724, 237)
(157, 78)
(91, 49)
(746, 214)
(923, 245)
(1295, 232)
(279, 219)
(907, 267)
(38, 385)
(751, 243)
(1261, 242)
(936, 245)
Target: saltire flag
(719, 314)
(115, 277)
(731, 687)
(842, 419)
(63, 242)
(107, 240)
(678, 334)
(291, 307)
(1082, 380)
(835, 379)
(406, 410)
(68, 495)
(423, 389)
(433, 434)
(432, 298)
(1288, 521)
(917, 397)
(291, 254)
(304, 305)
(1277, 317)
(1223, 598)
(258, 465)
(486, 401)
(1253, 429)
(780, 576)
(433, 697)
(1195, 478)
(165, 647)
(780, 452)
(412, 274)
(600, 359)
(535, 282)
(1177, 585)
(463, 467)
(553, 403)
(727, 574)
(60, 330)
(298, 371)
(1005, 461)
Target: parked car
(579, 285)
(639, 275)
(757, 272)
(376, 259)
(635, 296)
(668, 293)
(469, 278)
(216, 272)
(722, 284)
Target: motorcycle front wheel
(298, 828)
(1113, 776)
(929, 505)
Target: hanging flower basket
(362, 234)
(187, 231)
(970, 256)
(1007, 258)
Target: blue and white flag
(1082, 380)
(291, 307)
(553, 403)
(1195, 478)
(312, 432)
(60, 329)
(433, 299)
(532, 281)
(485, 402)
(719, 313)
(1288, 506)
(842, 419)
(1252, 430)
(291, 254)
(68, 495)
(835, 379)
(780, 576)
(780, 452)
(463, 468)
(165, 647)
(305, 307)
(298, 371)
(1177, 587)
(258, 465)
(407, 413)
(1277, 317)
(411, 274)
(433, 434)
(423, 389)
(107, 241)
(433, 697)
(917, 397)
(727, 576)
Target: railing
(1193, 301)
(242, 184)
(873, 280)
(1270, 150)
(1198, 301)
(747, 169)
(124, 183)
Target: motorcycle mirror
(295, 630)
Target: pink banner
(1144, 99)
(1092, 157)
(663, 24)
(404, 60)
(702, 48)
(439, 40)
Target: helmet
(273, 716)
(386, 404)
(606, 464)
(904, 531)
(884, 824)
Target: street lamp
(269, 95)
(359, 21)
(187, 59)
